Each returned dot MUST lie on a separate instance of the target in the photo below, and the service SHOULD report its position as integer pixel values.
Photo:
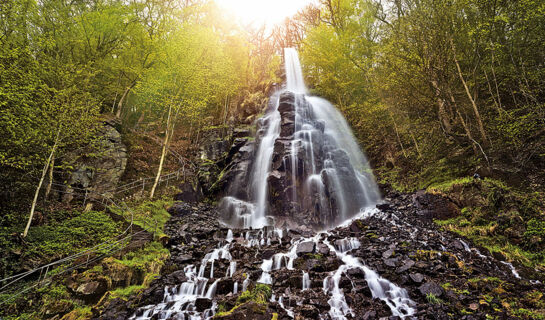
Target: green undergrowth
(66, 233)
(150, 215)
(260, 294)
(506, 221)
(124, 275)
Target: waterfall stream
(307, 168)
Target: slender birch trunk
(163, 154)
(44, 172)
(50, 182)
(475, 109)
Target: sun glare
(269, 12)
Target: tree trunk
(163, 155)
(122, 100)
(475, 109)
(44, 172)
(416, 145)
(443, 115)
(398, 138)
(50, 183)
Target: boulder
(431, 288)
(305, 247)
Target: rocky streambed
(388, 262)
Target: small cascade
(179, 301)
(306, 281)
(345, 245)
(232, 268)
(395, 297)
(512, 268)
(266, 266)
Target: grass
(148, 214)
(500, 219)
(77, 232)
(431, 298)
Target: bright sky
(263, 11)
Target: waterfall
(294, 74)
(307, 165)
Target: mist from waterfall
(306, 164)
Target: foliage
(435, 90)
(151, 215)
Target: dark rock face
(435, 206)
(101, 174)
(311, 183)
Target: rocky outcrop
(100, 172)
(435, 206)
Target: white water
(294, 76)
(306, 281)
(330, 176)
(395, 297)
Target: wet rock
(305, 247)
(180, 209)
(416, 277)
(407, 264)
(431, 288)
(202, 304)
(387, 254)
(225, 286)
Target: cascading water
(307, 167)
(307, 170)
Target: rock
(416, 277)
(323, 249)
(407, 264)
(202, 304)
(98, 174)
(435, 206)
(431, 287)
(93, 290)
(225, 286)
(188, 193)
(267, 254)
(305, 247)
(384, 206)
(180, 209)
(387, 254)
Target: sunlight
(267, 12)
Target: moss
(529, 314)
(126, 292)
(498, 218)
(150, 215)
(432, 299)
(84, 230)
(260, 294)
(80, 313)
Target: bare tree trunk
(416, 145)
(163, 155)
(475, 109)
(122, 100)
(468, 132)
(443, 116)
(50, 183)
(44, 172)
(398, 138)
